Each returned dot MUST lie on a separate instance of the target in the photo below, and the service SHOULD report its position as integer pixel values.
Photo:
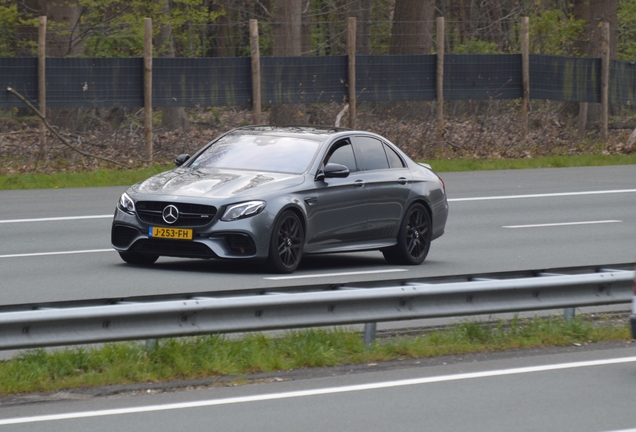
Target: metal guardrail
(151, 318)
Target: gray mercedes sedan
(272, 194)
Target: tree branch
(54, 132)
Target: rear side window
(395, 161)
(372, 152)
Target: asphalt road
(578, 391)
(56, 243)
(55, 246)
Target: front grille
(121, 236)
(178, 248)
(189, 214)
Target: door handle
(359, 183)
(402, 181)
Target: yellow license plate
(170, 233)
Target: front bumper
(244, 238)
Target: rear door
(388, 181)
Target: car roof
(311, 132)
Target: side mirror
(181, 159)
(333, 170)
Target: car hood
(216, 183)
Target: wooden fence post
(42, 84)
(439, 108)
(255, 53)
(525, 73)
(605, 73)
(582, 124)
(148, 87)
(351, 41)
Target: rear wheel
(414, 238)
(138, 258)
(286, 246)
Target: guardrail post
(73, 323)
(151, 344)
(369, 334)
(568, 314)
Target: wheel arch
(297, 210)
(426, 205)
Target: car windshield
(259, 152)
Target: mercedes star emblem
(170, 214)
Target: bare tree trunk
(361, 10)
(171, 117)
(287, 27)
(224, 45)
(594, 12)
(411, 32)
(305, 38)
(28, 9)
(287, 42)
(63, 17)
(66, 41)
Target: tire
(414, 238)
(286, 245)
(138, 258)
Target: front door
(337, 211)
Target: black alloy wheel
(414, 238)
(138, 258)
(286, 246)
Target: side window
(372, 152)
(342, 153)
(394, 160)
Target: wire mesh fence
(319, 37)
(100, 68)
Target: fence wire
(319, 37)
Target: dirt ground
(481, 130)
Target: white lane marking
(65, 218)
(334, 274)
(56, 253)
(543, 195)
(563, 224)
(449, 200)
(315, 392)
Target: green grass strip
(447, 165)
(104, 177)
(218, 355)
(97, 178)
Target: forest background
(220, 28)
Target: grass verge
(104, 177)
(446, 165)
(217, 355)
(97, 178)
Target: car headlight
(243, 210)
(126, 203)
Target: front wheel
(138, 258)
(414, 238)
(286, 246)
